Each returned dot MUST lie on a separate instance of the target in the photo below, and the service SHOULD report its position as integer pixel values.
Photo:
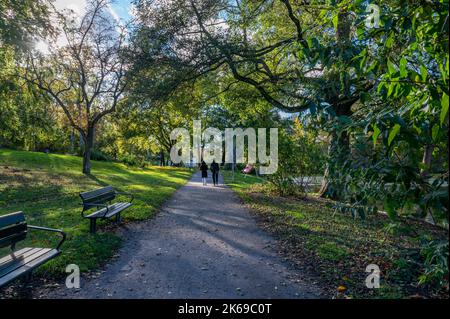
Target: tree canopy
(359, 91)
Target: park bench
(101, 199)
(14, 228)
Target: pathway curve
(203, 244)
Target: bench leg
(24, 291)
(118, 218)
(93, 225)
(27, 277)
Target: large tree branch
(297, 24)
(232, 64)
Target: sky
(119, 9)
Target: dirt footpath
(203, 244)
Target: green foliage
(301, 157)
(435, 255)
(129, 159)
(387, 83)
(97, 155)
(408, 113)
(27, 119)
(23, 21)
(370, 181)
(377, 95)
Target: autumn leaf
(341, 288)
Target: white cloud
(114, 14)
(78, 6)
(42, 47)
(79, 9)
(132, 11)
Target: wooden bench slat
(12, 239)
(99, 213)
(98, 196)
(118, 209)
(51, 253)
(15, 254)
(17, 257)
(113, 210)
(100, 199)
(13, 229)
(13, 218)
(96, 193)
(26, 258)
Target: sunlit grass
(46, 187)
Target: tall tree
(22, 22)
(85, 75)
(25, 119)
(296, 55)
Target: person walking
(204, 169)
(215, 172)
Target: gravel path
(203, 244)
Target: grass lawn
(337, 248)
(46, 187)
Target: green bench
(13, 229)
(101, 199)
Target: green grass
(329, 251)
(336, 247)
(46, 187)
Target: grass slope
(46, 186)
(337, 247)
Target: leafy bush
(97, 155)
(284, 184)
(435, 254)
(300, 156)
(129, 159)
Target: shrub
(97, 155)
(129, 159)
(300, 156)
(435, 255)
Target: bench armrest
(63, 234)
(126, 194)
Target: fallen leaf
(341, 288)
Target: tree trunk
(339, 148)
(161, 160)
(72, 142)
(425, 172)
(88, 144)
(338, 152)
(82, 144)
(323, 192)
(427, 156)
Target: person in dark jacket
(204, 169)
(215, 172)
